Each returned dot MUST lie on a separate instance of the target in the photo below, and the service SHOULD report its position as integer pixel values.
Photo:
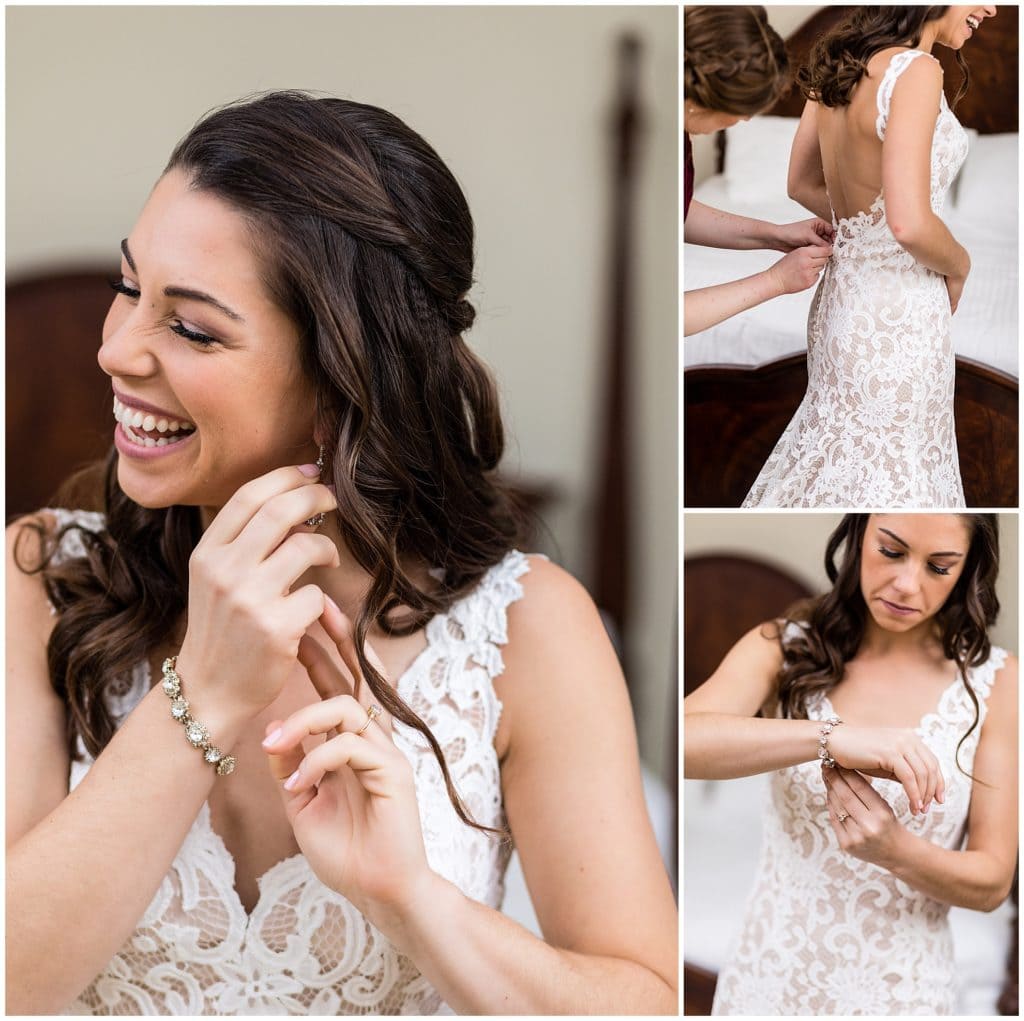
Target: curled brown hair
(367, 243)
(839, 59)
(733, 60)
(831, 627)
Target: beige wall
(796, 542)
(784, 18)
(516, 100)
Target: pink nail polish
(332, 602)
(291, 781)
(309, 470)
(272, 738)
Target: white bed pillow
(987, 191)
(757, 158)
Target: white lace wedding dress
(305, 949)
(827, 934)
(875, 428)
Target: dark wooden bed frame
(734, 415)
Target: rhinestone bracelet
(198, 736)
(830, 724)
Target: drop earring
(318, 519)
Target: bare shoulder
(746, 679)
(26, 541)
(558, 650)
(1003, 697)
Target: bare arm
(906, 172)
(575, 805)
(716, 228)
(806, 181)
(722, 740)
(796, 271)
(80, 855)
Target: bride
(876, 152)
(888, 723)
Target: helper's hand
(800, 268)
(814, 232)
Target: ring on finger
(372, 712)
(843, 816)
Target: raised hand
(351, 800)
(862, 820)
(244, 622)
(815, 232)
(890, 753)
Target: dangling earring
(318, 519)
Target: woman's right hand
(244, 622)
(799, 269)
(891, 754)
(955, 288)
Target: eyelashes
(895, 555)
(204, 340)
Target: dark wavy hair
(839, 60)
(367, 244)
(733, 60)
(831, 627)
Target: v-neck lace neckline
(205, 819)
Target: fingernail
(272, 737)
(291, 781)
(330, 486)
(309, 470)
(332, 602)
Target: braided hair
(366, 242)
(733, 60)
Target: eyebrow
(905, 545)
(185, 292)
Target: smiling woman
(355, 638)
(887, 721)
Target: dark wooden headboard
(734, 415)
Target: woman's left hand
(351, 800)
(866, 826)
(802, 233)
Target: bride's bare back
(851, 151)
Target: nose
(908, 578)
(126, 350)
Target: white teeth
(129, 417)
(973, 21)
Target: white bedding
(721, 841)
(985, 324)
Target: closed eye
(896, 554)
(132, 294)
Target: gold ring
(372, 712)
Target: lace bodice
(305, 949)
(827, 934)
(875, 428)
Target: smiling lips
(973, 22)
(149, 426)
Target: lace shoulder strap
(482, 616)
(70, 544)
(883, 99)
(983, 676)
